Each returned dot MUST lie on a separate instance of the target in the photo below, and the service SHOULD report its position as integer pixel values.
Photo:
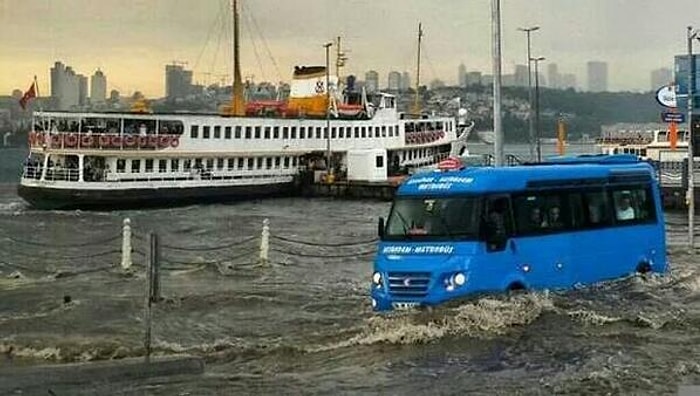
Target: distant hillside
(584, 112)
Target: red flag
(30, 94)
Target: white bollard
(265, 243)
(126, 244)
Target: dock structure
(354, 189)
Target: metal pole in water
(265, 243)
(147, 316)
(496, 47)
(328, 110)
(126, 244)
(690, 196)
(155, 266)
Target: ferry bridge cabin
(456, 233)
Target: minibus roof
(554, 172)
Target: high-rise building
(520, 76)
(553, 76)
(462, 75)
(597, 76)
(394, 81)
(178, 81)
(371, 81)
(98, 88)
(82, 90)
(660, 78)
(405, 81)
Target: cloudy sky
(132, 40)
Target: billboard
(681, 69)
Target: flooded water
(303, 324)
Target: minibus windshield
(434, 218)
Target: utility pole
(537, 106)
(690, 195)
(496, 49)
(531, 120)
(328, 109)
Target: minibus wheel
(643, 267)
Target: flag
(30, 94)
(673, 135)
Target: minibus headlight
(459, 279)
(377, 278)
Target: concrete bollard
(265, 243)
(126, 244)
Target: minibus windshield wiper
(404, 223)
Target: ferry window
(294, 133)
(333, 132)
(251, 163)
(341, 132)
(376, 132)
(276, 132)
(187, 164)
(198, 163)
(162, 166)
(174, 165)
(206, 131)
(248, 132)
(286, 162)
(227, 132)
(325, 132)
(166, 127)
(220, 163)
(318, 132)
(217, 132)
(257, 132)
(391, 130)
(285, 132)
(357, 132)
(267, 132)
(440, 218)
(240, 163)
(268, 163)
(379, 161)
(194, 131)
(121, 165)
(633, 204)
(210, 164)
(231, 163)
(277, 162)
(135, 166)
(259, 162)
(364, 132)
(294, 161)
(237, 134)
(149, 165)
(383, 130)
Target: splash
(483, 318)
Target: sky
(131, 41)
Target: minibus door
(497, 232)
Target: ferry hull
(52, 198)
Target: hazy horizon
(132, 41)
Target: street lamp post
(496, 52)
(328, 109)
(531, 135)
(690, 194)
(537, 106)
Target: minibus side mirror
(380, 228)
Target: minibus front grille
(409, 284)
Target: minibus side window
(633, 205)
(597, 209)
(497, 224)
(541, 212)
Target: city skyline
(136, 42)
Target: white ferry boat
(80, 160)
(652, 144)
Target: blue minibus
(461, 231)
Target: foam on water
(483, 318)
